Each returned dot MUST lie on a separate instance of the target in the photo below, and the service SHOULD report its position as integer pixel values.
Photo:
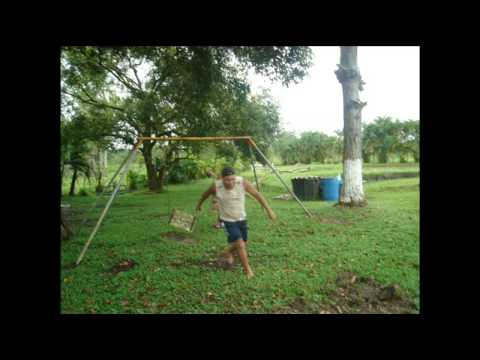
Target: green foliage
(142, 180)
(309, 147)
(132, 180)
(185, 91)
(184, 171)
(385, 138)
(83, 192)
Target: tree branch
(92, 101)
(125, 80)
(139, 83)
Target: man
(230, 192)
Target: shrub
(142, 180)
(132, 180)
(99, 188)
(83, 192)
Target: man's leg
(240, 246)
(229, 254)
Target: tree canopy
(175, 91)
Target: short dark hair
(228, 171)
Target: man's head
(228, 177)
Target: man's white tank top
(231, 202)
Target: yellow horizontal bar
(206, 138)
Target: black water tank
(307, 188)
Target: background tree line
(383, 140)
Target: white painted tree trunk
(349, 76)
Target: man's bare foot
(250, 274)
(229, 259)
(225, 261)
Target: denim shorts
(236, 230)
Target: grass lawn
(297, 260)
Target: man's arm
(211, 190)
(259, 197)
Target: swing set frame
(125, 165)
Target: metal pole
(124, 174)
(281, 180)
(252, 157)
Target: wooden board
(182, 220)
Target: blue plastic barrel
(330, 189)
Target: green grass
(296, 257)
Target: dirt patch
(123, 265)
(219, 264)
(356, 294)
(298, 306)
(183, 238)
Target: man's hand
(272, 215)
(205, 195)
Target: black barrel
(298, 185)
(307, 189)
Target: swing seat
(182, 220)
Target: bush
(142, 180)
(132, 180)
(185, 170)
(191, 169)
(83, 192)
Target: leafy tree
(385, 138)
(74, 152)
(165, 91)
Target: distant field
(315, 170)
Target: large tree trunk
(152, 179)
(349, 76)
(161, 176)
(72, 184)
